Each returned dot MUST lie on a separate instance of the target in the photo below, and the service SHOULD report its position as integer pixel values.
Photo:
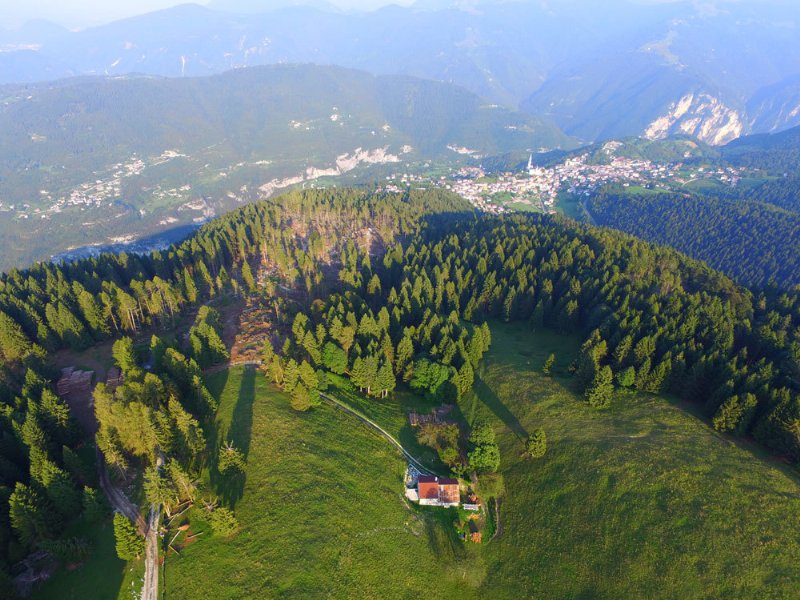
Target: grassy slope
(321, 511)
(642, 500)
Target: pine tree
(465, 378)
(231, 460)
(600, 392)
(291, 375)
(94, 504)
(358, 373)
(14, 344)
(129, 544)
(181, 481)
(247, 277)
(370, 372)
(736, 414)
(301, 398)
(334, 358)
(160, 490)
(404, 354)
(627, 377)
(548, 364)
(223, 521)
(32, 517)
(385, 380)
(189, 287)
(59, 488)
(536, 445)
(124, 355)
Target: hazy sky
(80, 13)
(84, 13)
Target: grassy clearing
(321, 511)
(642, 500)
(569, 205)
(102, 575)
(392, 415)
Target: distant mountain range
(598, 69)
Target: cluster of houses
(580, 175)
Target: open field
(321, 511)
(642, 500)
(102, 575)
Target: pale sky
(82, 13)
(85, 13)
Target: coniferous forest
(385, 290)
(754, 237)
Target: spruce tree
(601, 390)
(536, 444)
(31, 516)
(129, 544)
(548, 364)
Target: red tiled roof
(428, 490)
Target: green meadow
(321, 512)
(641, 500)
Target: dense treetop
(753, 242)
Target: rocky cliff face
(701, 115)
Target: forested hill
(777, 154)
(163, 411)
(382, 286)
(753, 242)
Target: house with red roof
(438, 491)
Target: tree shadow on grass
(230, 488)
(490, 399)
(442, 535)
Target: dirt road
(150, 588)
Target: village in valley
(539, 188)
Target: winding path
(343, 406)
(150, 587)
(116, 497)
(370, 423)
(149, 529)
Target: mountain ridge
(513, 53)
